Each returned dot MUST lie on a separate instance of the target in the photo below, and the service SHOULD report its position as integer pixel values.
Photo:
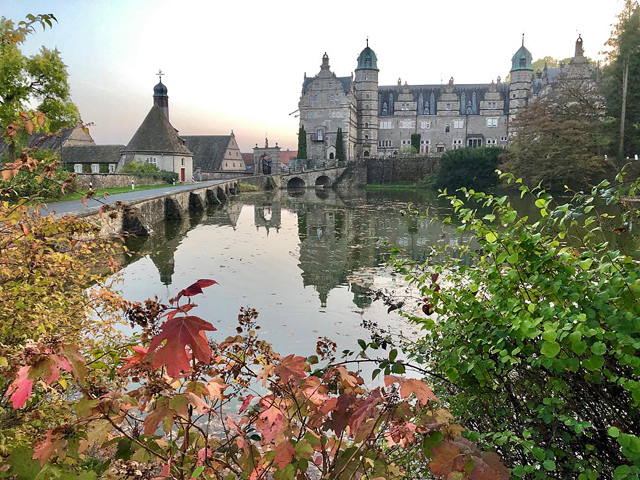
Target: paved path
(75, 207)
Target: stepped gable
(208, 150)
(157, 135)
(92, 154)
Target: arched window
(420, 104)
(331, 156)
(319, 135)
(474, 105)
(366, 153)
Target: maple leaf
(246, 403)
(271, 423)
(411, 385)
(291, 367)
(133, 361)
(364, 411)
(264, 375)
(162, 413)
(180, 332)
(20, 388)
(46, 448)
(284, 454)
(444, 456)
(195, 288)
(216, 388)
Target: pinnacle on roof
(367, 59)
(522, 59)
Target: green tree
(533, 342)
(39, 80)
(468, 167)
(415, 141)
(339, 145)
(621, 84)
(302, 143)
(561, 138)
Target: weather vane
(160, 74)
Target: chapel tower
(366, 84)
(160, 97)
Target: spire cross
(160, 74)
(523, 39)
(367, 41)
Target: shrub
(469, 167)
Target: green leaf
(613, 432)
(541, 203)
(392, 355)
(598, 348)
(550, 349)
(593, 363)
(196, 473)
(362, 344)
(549, 465)
(519, 471)
(490, 237)
(398, 368)
(550, 335)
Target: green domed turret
(367, 59)
(160, 90)
(522, 59)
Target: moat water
(305, 260)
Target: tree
(339, 145)
(561, 138)
(25, 81)
(415, 141)
(302, 143)
(468, 167)
(622, 79)
(531, 341)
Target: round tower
(366, 84)
(160, 97)
(521, 85)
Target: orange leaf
(133, 361)
(284, 454)
(47, 447)
(195, 288)
(40, 119)
(25, 228)
(28, 126)
(291, 367)
(444, 456)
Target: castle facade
(379, 120)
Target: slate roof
(480, 89)
(156, 135)
(92, 154)
(43, 141)
(345, 81)
(208, 150)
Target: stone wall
(205, 176)
(114, 180)
(408, 169)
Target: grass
(77, 195)
(247, 187)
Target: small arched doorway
(331, 156)
(366, 153)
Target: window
(424, 146)
(406, 142)
(234, 164)
(492, 122)
(425, 125)
(458, 124)
(310, 115)
(407, 124)
(448, 106)
(77, 168)
(151, 160)
(366, 137)
(366, 125)
(366, 95)
(226, 164)
(474, 142)
(319, 135)
(182, 163)
(457, 143)
(491, 141)
(366, 77)
(492, 105)
(329, 85)
(503, 139)
(405, 106)
(447, 128)
(112, 168)
(440, 148)
(386, 125)
(95, 168)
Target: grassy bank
(77, 195)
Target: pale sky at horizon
(240, 65)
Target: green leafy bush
(536, 342)
(469, 167)
(148, 169)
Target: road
(75, 207)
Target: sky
(239, 65)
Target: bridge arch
(323, 181)
(296, 182)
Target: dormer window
(367, 62)
(523, 62)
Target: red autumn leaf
(271, 422)
(364, 411)
(411, 385)
(284, 454)
(52, 366)
(340, 416)
(444, 456)
(181, 309)
(25, 228)
(246, 403)
(20, 388)
(434, 277)
(195, 288)
(28, 126)
(291, 367)
(40, 119)
(216, 388)
(489, 467)
(47, 447)
(180, 332)
(428, 308)
(133, 361)
(84, 200)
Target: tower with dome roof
(366, 84)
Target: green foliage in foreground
(468, 167)
(536, 342)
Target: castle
(379, 120)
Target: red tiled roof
(287, 155)
(248, 159)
